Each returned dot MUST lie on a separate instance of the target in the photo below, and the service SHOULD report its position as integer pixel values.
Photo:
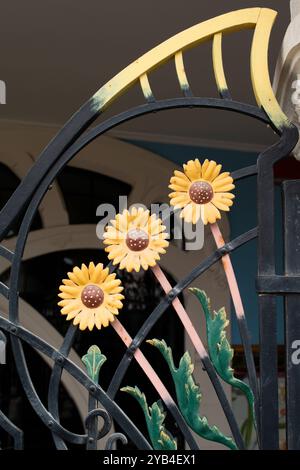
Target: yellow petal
(211, 213)
(68, 282)
(181, 175)
(73, 314)
(223, 188)
(126, 263)
(158, 242)
(109, 286)
(122, 221)
(224, 195)
(73, 290)
(221, 205)
(65, 295)
(219, 184)
(84, 319)
(215, 172)
(72, 305)
(192, 169)
(116, 250)
(187, 213)
(155, 226)
(205, 166)
(85, 271)
(74, 279)
(196, 213)
(222, 202)
(148, 258)
(81, 276)
(96, 275)
(137, 265)
(117, 259)
(91, 321)
(208, 170)
(77, 318)
(179, 199)
(142, 218)
(181, 185)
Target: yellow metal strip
(218, 65)
(239, 19)
(260, 70)
(146, 88)
(181, 75)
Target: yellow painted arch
(259, 19)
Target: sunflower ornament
(201, 191)
(135, 239)
(91, 296)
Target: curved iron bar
(6, 253)
(18, 332)
(12, 430)
(107, 422)
(53, 389)
(244, 172)
(117, 436)
(91, 423)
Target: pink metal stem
(142, 361)
(182, 314)
(230, 275)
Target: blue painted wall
(242, 217)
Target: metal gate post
(291, 193)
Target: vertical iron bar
(291, 194)
(269, 422)
(268, 428)
(92, 425)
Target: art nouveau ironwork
(262, 397)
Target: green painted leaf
(161, 438)
(93, 361)
(189, 395)
(220, 351)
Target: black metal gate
(24, 203)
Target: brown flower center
(92, 296)
(137, 239)
(201, 192)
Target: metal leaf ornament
(155, 416)
(93, 361)
(189, 396)
(220, 351)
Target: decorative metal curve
(181, 75)
(146, 88)
(114, 438)
(12, 430)
(54, 383)
(111, 407)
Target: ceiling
(56, 53)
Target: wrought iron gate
(24, 203)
